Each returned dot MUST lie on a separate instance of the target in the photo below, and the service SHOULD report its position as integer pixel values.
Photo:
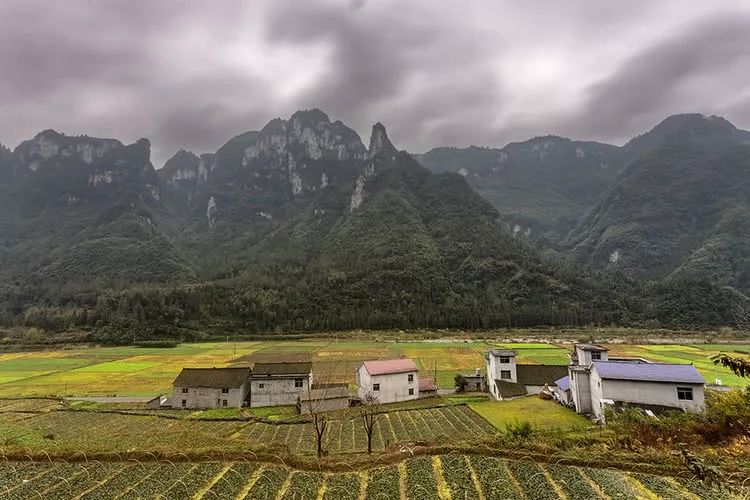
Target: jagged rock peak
(379, 141)
(182, 158)
(314, 115)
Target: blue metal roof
(563, 383)
(648, 372)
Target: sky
(192, 74)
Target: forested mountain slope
(680, 207)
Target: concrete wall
(653, 393)
(580, 386)
(394, 387)
(276, 390)
(206, 397)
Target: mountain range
(671, 203)
(301, 226)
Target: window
(375, 387)
(685, 393)
(223, 402)
(261, 386)
(298, 382)
(184, 390)
(505, 374)
(184, 402)
(411, 392)
(505, 359)
(411, 377)
(224, 390)
(596, 355)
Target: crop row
(435, 424)
(447, 476)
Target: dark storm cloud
(647, 85)
(191, 74)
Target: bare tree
(318, 400)
(369, 412)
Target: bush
(519, 429)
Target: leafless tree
(369, 412)
(315, 401)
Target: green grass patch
(540, 413)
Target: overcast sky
(191, 74)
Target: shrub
(519, 429)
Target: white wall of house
(580, 386)
(208, 397)
(652, 393)
(277, 390)
(393, 387)
(495, 368)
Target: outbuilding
(324, 398)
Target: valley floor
(149, 371)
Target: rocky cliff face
(257, 173)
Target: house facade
(197, 388)
(273, 384)
(389, 380)
(508, 379)
(598, 382)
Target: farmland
(143, 371)
(446, 477)
(47, 425)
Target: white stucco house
(507, 379)
(273, 384)
(596, 382)
(388, 380)
(210, 388)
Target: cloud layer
(191, 74)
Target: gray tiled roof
(212, 377)
(591, 347)
(648, 372)
(282, 368)
(508, 389)
(540, 374)
(502, 352)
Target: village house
(508, 379)
(210, 388)
(475, 382)
(596, 382)
(389, 380)
(279, 383)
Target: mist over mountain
(300, 226)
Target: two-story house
(388, 380)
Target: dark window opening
(411, 392)
(505, 374)
(375, 387)
(298, 382)
(685, 393)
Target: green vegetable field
(148, 371)
(420, 478)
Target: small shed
(324, 398)
(427, 387)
